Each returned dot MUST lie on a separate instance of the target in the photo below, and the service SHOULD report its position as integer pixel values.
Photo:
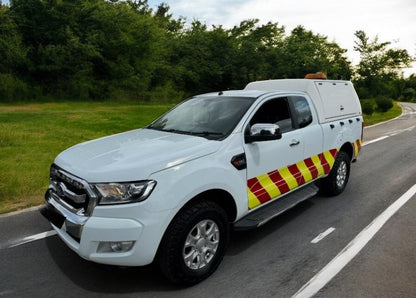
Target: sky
(390, 20)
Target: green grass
(31, 135)
(378, 117)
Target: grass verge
(378, 117)
(31, 135)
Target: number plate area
(51, 214)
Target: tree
(99, 49)
(89, 49)
(50, 32)
(166, 21)
(409, 89)
(128, 47)
(201, 58)
(13, 59)
(12, 51)
(257, 50)
(379, 65)
(306, 52)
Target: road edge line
(32, 238)
(29, 209)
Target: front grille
(70, 189)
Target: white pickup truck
(171, 192)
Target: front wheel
(337, 180)
(194, 243)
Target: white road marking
(375, 140)
(322, 235)
(401, 130)
(352, 249)
(34, 238)
(390, 135)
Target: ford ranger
(171, 192)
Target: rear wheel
(194, 243)
(337, 180)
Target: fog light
(121, 246)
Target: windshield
(210, 117)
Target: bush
(409, 94)
(384, 104)
(367, 107)
(12, 89)
(363, 92)
(167, 93)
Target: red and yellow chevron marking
(356, 147)
(271, 185)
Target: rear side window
(302, 111)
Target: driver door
(271, 165)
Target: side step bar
(259, 217)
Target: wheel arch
(348, 148)
(219, 196)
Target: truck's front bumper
(115, 241)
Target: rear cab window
(301, 111)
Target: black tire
(194, 243)
(337, 180)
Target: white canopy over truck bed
(333, 99)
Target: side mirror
(260, 132)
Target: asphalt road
(276, 260)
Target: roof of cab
(236, 93)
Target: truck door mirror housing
(260, 132)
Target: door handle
(294, 143)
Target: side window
(302, 111)
(274, 111)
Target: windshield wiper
(177, 131)
(193, 133)
(169, 130)
(207, 133)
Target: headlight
(120, 193)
